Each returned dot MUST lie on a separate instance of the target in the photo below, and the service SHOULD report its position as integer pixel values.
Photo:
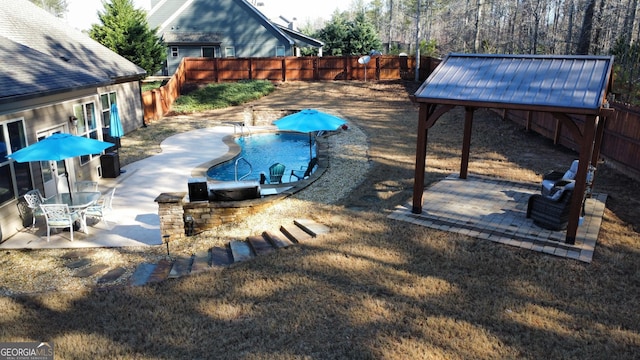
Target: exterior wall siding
(53, 112)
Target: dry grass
(374, 287)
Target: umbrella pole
(310, 148)
(66, 173)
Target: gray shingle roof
(35, 73)
(70, 52)
(569, 82)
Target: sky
(83, 13)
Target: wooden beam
(428, 115)
(466, 142)
(421, 157)
(577, 200)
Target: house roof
(48, 41)
(299, 38)
(36, 73)
(184, 17)
(571, 84)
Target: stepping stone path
(84, 267)
(302, 230)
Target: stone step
(141, 274)
(161, 271)
(260, 245)
(112, 275)
(200, 262)
(181, 266)
(76, 254)
(221, 256)
(78, 263)
(241, 250)
(278, 241)
(91, 270)
(295, 233)
(312, 227)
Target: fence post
(284, 70)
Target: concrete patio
(495, 210)
(134, 220)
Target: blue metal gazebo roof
(570, 84)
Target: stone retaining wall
(264, 116)
(174, 207)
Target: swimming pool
(262, 151)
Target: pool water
(262, 151)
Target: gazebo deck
(495, 210)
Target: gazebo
(559, 85)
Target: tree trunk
(476, 38)
(417, 75)
(584, 42)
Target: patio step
(260, 245)
(241, 251)
(278, 241)
(311, 227)
(295, 233)
(300, 231)
(181, 266)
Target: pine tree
(55, 7)
(124, 29)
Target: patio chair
(86, 186)
(102, 207)
(59, 216)
(550, 213)
(302, 173)
(550, 180)
(550, 208)
(276, 171)
(34, 198)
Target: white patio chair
(86, 186)
(102, 207)
(34, 198)
(59, 216)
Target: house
(54, 79)
(221, 28)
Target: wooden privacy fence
(158, 102)
(384, 67)
(620, 142)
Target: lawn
(374, 288)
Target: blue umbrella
(115, 126)
(59, 147)
(308, 121)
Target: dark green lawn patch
(218, 96)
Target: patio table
(77, 201)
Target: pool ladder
(236, 169)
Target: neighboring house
(49, 74)
(220, 28)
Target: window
(208, 52)
(87, 125)
(230, 51)
(174, 51)
(106, 100)
(279, 50)
(15, 178)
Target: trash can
(110, 163)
